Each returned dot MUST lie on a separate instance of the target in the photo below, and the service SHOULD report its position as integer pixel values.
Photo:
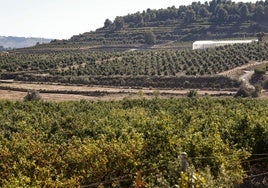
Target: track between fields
(17, 90)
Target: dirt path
(54, 92)
(238, 71)
(246, 77)
(243, 73)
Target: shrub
(192, 93)
(244, 91)
(32, 95)
(257, 91)
(261, 70)
(150, 38)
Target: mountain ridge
(21, 42)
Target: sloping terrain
(171, 26)
(150, 49)
(145, 68)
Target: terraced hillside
(214, 20)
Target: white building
(212, 44)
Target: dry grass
(11, 95)
(109, 93)
(18, 96)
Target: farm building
(212, 44)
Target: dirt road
(53, 92)
(238, 71)
(246, 77)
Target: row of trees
(158, 63)
(210, 20)
(219, 11)
(167, 68)
(132, 142)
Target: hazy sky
(60, 19)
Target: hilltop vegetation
(212, 20)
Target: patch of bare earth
(54, 92)
(238, 71)
(11, 95)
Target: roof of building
(222, 41)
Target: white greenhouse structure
(212, 44)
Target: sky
(61, 19)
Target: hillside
(147, 134)
(20, 42)
(147, 68)
(145, 53)
(214, 20)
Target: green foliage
(260, 70)
(192, 93)
(156, 68)
(32, 95)
(197, 21)
(130, 142)
(119, 23)
(265, 83)
(107, 23)
(245, 91)
(149, 38)
(191, 179)
(190, 16)
(257, 91)
(260, 36)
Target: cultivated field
(16, 90)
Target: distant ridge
(20, 42)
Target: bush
(150, 38)
(261, 70)
(257, 92)
(245, 91)
(265, 83)
(32, 95)
(192, 93)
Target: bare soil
(239, 71)
(105, 93)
